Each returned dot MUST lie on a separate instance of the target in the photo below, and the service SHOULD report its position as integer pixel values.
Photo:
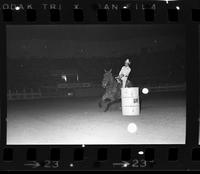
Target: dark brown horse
(112, 90)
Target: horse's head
(107, 78)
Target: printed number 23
(137, 163)
(51, 164)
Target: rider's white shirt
(125, 71)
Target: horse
(112, 89)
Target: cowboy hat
(127, 61)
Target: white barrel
(130, 101)
(130, 92)
(131, 111)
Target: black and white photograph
(96, 84)
(199, 80)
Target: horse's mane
(115, 81)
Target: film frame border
(159, 153)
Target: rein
(111, 85)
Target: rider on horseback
(124, 73)
(112, 86)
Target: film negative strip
(99, 85)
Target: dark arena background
(54, 83)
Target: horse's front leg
(111, 103)
(102, 100)
(108, 105)
(100, 103)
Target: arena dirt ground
(81, 121)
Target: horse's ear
(110, 70)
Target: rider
(124, 73)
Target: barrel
(130, 101)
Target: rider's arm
(121, 73)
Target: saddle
(119, 81)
